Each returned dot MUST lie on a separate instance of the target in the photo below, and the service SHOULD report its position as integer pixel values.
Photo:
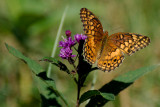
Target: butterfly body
(108, 51)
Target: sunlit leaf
(118, 84)
(46, 86)
(131, 76)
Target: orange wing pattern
(129, 43)
(94, 32)
(111, 57)
(108, 50)
(92, 26)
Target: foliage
(49, 93)
(31, 26)
(47, 89)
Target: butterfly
(104, 50)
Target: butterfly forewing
(92, 26)
(94, 32)
(89, 50)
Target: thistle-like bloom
(79, 37)
(66, 53)
(67, 43)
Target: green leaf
(87, 95)
(118, 84)
(36, 68)
(57, 63)
(46, 86)
(134, 75)
(108, 96)
(92, 93)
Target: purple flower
(71, 42)
(79, 37)
(67, 43)
(68, 33)
(66, 53)
(62, 44)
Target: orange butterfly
(106, 50)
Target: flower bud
(68, 33)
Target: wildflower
(66, 53)
(79, 37)
(62, 44)
(71, 42)
(67, 43)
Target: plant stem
(71, 61)
(78, 92)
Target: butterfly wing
(94, 31)
(129, 43)
(112, 53)
(111, 57)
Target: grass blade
(56, 41)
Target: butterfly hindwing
(111, 57)
(129, 43)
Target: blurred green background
(31, 26)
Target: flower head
(67, 43)
(68, 33)
(79, 37)
(71, 42)
(66, 53)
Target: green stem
(56, 41)
(78, 92)
(94, 79)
